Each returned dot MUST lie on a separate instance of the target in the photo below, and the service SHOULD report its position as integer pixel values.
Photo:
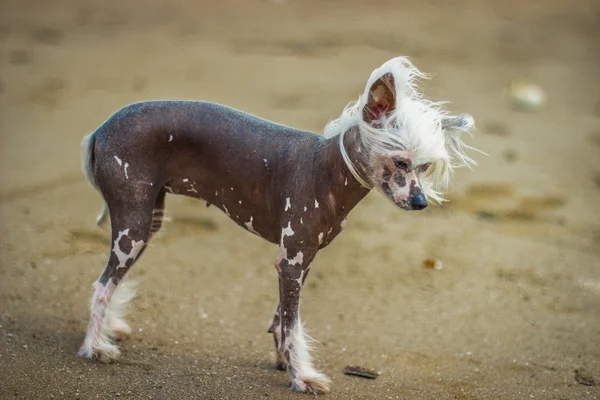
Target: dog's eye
(401, 164)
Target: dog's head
(410, 144)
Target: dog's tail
(87, 167)
(88, 158)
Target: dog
(291, 187)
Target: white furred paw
(103, 353)
(316, 384)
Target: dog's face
(412, 147)
(397, 176)
(394, 172)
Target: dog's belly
(249, 214)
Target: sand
(512, 314)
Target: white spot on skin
(231, 188)
(250, 227)
(240, 202)
(288, 205)
(120, 162)
(329, 232)
(170, 138)
(125, 168)
(287, 231)
(192, 188)
(169, 189)
(297, 260)
(316, 204)
(136, 246)
(321, 238)
(401, 193)
(299, 280)
(226, 210)
(301, 220)
(305, 209)
(265, 160)
(346, 182)
(216, 193)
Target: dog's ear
(381, 99)
(461, 121)
(452, 126)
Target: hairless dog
(290, 187)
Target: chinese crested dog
(290, 187)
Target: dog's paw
(103, 353)
(315, 384)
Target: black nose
(418, 201)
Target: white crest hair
(415, 125)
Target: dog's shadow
(45, 347)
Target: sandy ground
(513, 313)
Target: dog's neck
(341, 189)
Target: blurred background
(512, 313)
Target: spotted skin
(401, 179)
(397, 177)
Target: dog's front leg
(293, 342)
(275, 330)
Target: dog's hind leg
(131, 222)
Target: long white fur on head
(415, 124)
